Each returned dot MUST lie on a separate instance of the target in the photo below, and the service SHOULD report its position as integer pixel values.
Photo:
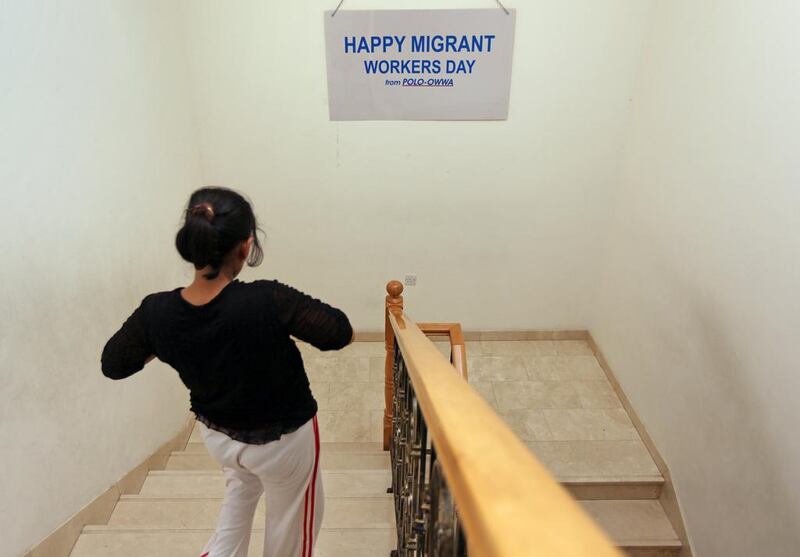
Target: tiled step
(621, 461)
(325, 448)
(197, 445)
(621, 488)
(196, 441)
(355, 483)
(641, 528)
(620, 469)
(211, 483)
(329, 460)
(137, 511)
(100, 541)
(349, 456)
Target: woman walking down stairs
(552, 394)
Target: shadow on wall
(748, 439)
(736, 448)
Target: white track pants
(287, 471)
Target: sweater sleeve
(128, 350)
(311, 320)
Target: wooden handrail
(458, 349)
(509, 503)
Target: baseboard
(61, 541)
(525, 335)
(378, 336)
(668, 499)
(368, 336)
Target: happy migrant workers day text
(418, 44)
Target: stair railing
(463, 482)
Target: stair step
(602, 461)
(138, 511)
(614, 488)
(197, 438)
(182, 460)
(326, 448)
(174, 483)
(641, 528)
(99, 541)
(632, 487)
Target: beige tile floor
(348, 386)
(553, 394)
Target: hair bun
(216, 220)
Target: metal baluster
(445, 537)
(405, 487)
(394, 448)
(409, 464)
(427, 522)
(421, 483)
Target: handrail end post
(394, 303)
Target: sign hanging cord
(499, 3)
(339, 5)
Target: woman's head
(219, 229)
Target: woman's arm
(310, 320)
(129, 349)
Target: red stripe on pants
(313, 488)
(305, 525)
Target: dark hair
(216, 220)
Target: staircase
(588, 444)
(176, 510)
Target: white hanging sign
(419, 64)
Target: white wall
(97, 155)
(498, 219)
(698, 311)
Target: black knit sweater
(235, 353)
